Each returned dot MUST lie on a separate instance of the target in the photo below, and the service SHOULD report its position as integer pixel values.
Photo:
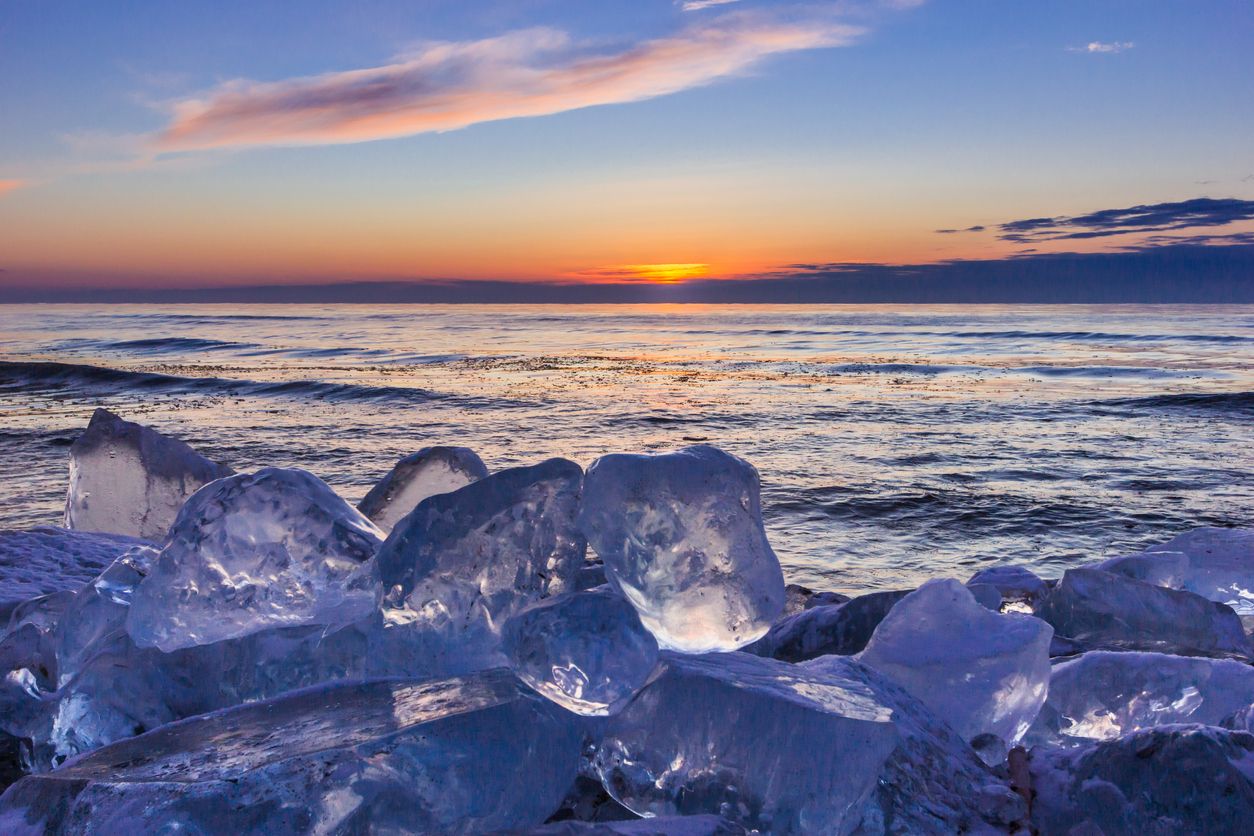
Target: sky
(170, 146)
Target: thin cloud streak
(7, 186)
(1100, 48)
(447, 86)
(698, 5)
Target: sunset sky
(195, 143)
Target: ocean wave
(57, 378)
(1236, 403)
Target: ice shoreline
(385, 677)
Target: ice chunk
(466, 755)
(827, 746)
(129, 479)
(842, 629)
(122, 690)
(681, 536)
(44, 560)
(766, 744)
(1220, 565)
(1158, 782)
(932, 782)
(275, 547)
(430, 471)
(99, 609)
(1016, 584)
(981, 672)
(457, 568)
(1102, 695)
(1156, 568)
(1104, 610)
(587, 652)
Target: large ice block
(468, 755)
(1103, 695)
(980, 672)
(932, 782)
(430, 471)
(764, 743)
(458, 567)
(265, 549)
(121, 690)
(1016, 584)
(681, 536)
(1220, 565)
(841, 629)
(1156, 782)
(587, 652)
(1105, 610)
(129, 479)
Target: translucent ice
(841, 629)
(587, 652)
(1220, 565)
(681, 536)
(981, 672)
(1102, 695)
(785, 748)
(1104, 610)
(1157, 782)
(458, 567)
(275, 547)
(1016, 584)
(129, 479)
(99, 609)
(121, 690)
(469, 755)
(45, 560)
(1158, 568)
(430, 471)
(764, 743)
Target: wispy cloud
(1102, 48)
(1153, 217)
(698, 5)
(446, 86)
(7, 186)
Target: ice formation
(1219, 565)
(98, 610)
(1016, 584)
(681, 536)
(275, 547)
(458, 567)
(1101, 609)
(1103, 695)
(430, 471)
(764, 743)
(981, 672)
(841, 629)
(128, 479)
(465, 755)
(1157, 568)
(272, 665)
(45, 560)
(587, 652)
(1157, 782)
(827, 746)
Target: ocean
(896, 443)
